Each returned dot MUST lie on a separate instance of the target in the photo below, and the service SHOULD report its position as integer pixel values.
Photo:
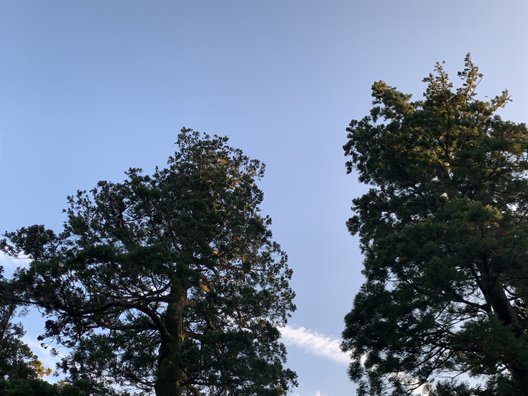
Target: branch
(160, 325)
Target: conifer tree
(444, 233)
(168, 282)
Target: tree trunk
(171, 377)
(495, 295)
(520, 378)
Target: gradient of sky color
(90, 88)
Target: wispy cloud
(328, 348)
(314, 343)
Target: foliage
(17, 361)
(444, 233)
(39, 387)
(168, 281)
(27, 387)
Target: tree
(17, 361)
(169, 281)
(21, 371)
(444, 233)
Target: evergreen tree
(444, 233)
(169, 281)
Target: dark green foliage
(169, 281)
(27, 387)
(444, 232)
(38, 387)
(17, 362)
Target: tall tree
(444, 233)
(169, 281)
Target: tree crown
(443, 230)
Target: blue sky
(90, 88)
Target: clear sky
(90, 88)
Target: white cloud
(317, 393)
(328, 348)
(315, 344)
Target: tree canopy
(168, 282)
(444, 233)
